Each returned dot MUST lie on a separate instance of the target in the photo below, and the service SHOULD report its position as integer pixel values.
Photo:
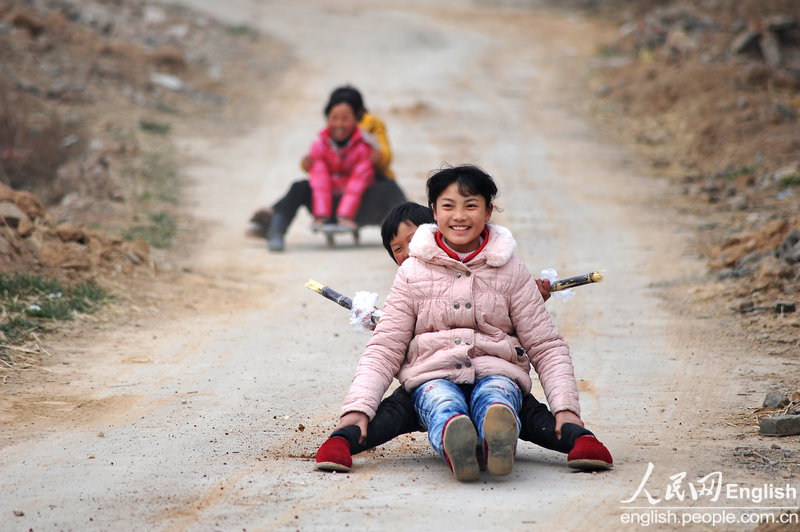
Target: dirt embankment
(90, 93)
(709, 93)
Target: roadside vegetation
(157, 192)
(30, 304)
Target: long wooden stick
(343, 301)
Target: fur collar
(497, 252)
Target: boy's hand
(363, 307)
(544, 288)
(357, 418)
(305, 163)
(566, 416)
(361, 320)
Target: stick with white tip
(329, 293)
(343, 301)
(580, 280)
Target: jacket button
(468, 342)
(458, 340)
(458, 366)
(469, 273)
(458, 275)
(468, 305)
(456, 306)
(468, 364)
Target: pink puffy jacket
(345, 171)
(444, 319)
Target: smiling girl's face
(461, 219)
(342, 122)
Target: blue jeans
(438, 400)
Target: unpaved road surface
(206, 415)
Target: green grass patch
(791, 180)
(16, 329)
(155, 179)
(156, 190)
(241, 30)
(152, 126)
(167, 108)
(161, 177)
(31, 303)
(158, 233)
(732, 173)
(606, 51)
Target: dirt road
(206, 415)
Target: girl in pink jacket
(462, 326)
(396, 414)
(341, 166)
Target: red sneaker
(589, 454)
(334, 455)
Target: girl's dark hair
(410, 212)
(349, 95)
(472, 181)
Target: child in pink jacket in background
(340, 169)
(340, 165)
(461, 328)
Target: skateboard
(331, 230)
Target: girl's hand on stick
(544, 288)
